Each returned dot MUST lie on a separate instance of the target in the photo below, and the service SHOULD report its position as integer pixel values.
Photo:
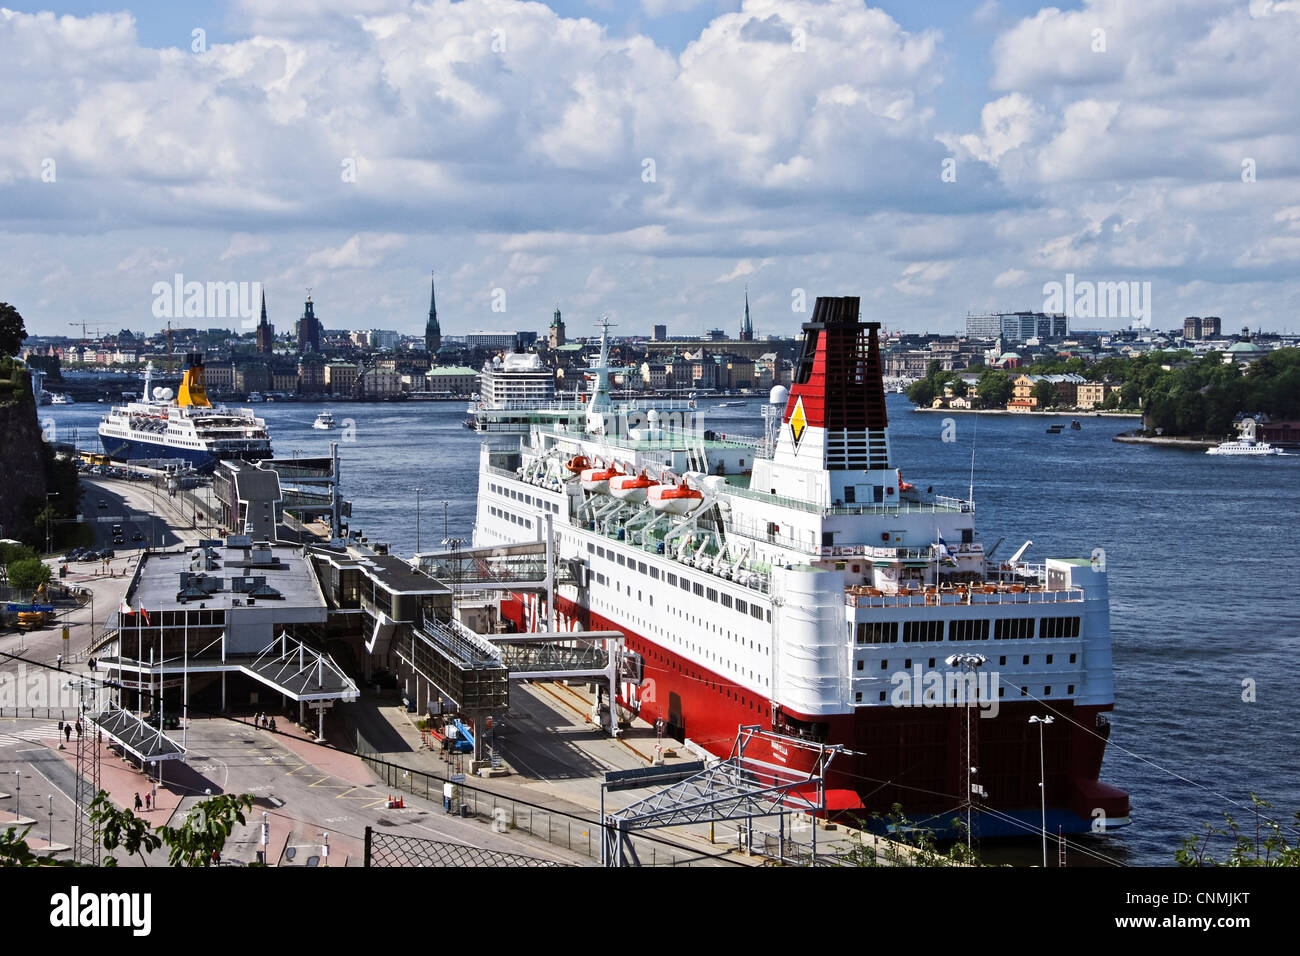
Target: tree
(910, 845)
(921, 392)
(1045, 392)
(28, 574)
(1267, 847)
(204, 833)
(12, 331)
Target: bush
(28, 574)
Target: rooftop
(224, 574)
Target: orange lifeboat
(597, 479)
(674, 499)
(577, 464)
(631, 487)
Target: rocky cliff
(22, 468)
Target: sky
(649, 160)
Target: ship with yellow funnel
(187, 427)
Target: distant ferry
(516, 391)
(1244, 446)
(324, 421)
(57, 399)
(189, 428)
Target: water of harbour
(1201, 550)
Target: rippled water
(1201, 551)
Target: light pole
(417, 519)
(1042, 778)
(445, 503)
(48, 540)
(18, 793)
(968, 663)
(51, 819)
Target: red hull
(913, 756)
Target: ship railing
(937, 504)
(931, 598)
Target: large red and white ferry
(797, 582)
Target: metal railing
(953, 598)
(556, 827)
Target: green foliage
(1267, 846)
(15, 852)
(910, 845)
(206, 828)
(924, 391)
(12, 331)
(1045, 392)
(9, 553)
(122, 828)
(28, 574)
(995, 388)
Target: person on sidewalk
(273, 725)
(148, 801)
(139, 804)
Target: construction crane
(84, 326)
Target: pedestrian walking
(273, 725)
(59, 660)
(67, 733)
(148, 801)
(139, 804)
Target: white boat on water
(324, 421)
(1244, 446)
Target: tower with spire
(557, 328)
(308, 328)
(265, 331)
(746, 327)
(432, 333)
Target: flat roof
(159, 580)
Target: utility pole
(417, 519)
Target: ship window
(600, 552)
(711, 594)
(882, 696)
(877, 632)
(654, 572)
(769, 617)
(915, 632)
(685, 585)
(977, 630)
(699, 588)
(1047, 690)
(672, 578)
(756, 611)
(1073, 658)
(591, 548)
(742, 606)
(860, 663)
(1013, 628)
(1002, 661)
(1049, 658)
(859, 697)
(1026, 660)
(726, 600)
(1060, 627)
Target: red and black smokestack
(839, 376)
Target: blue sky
(649, 159)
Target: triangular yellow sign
(797, 421)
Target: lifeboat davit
(674, 499)
(597, 479)
(577, 464)
(631, 487)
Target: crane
(84, 326)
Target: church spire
(746, 327)
(265, 331)
(432, 332)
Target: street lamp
(18, 793)
(51, 819)
(417, 519)
(968, 663)
(1042, 778)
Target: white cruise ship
(797, 582)
(189, 428)
(516, 390)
